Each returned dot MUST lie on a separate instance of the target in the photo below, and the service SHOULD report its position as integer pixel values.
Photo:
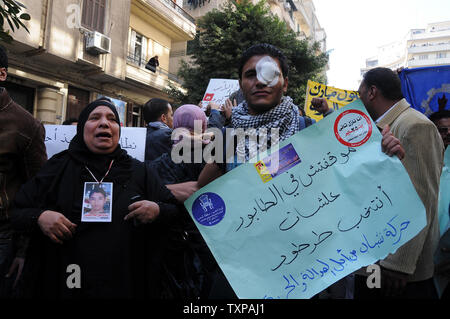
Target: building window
(137, 120)
(22, 95)
(423, 57)
(190, 46)
(77, 99)
(137, 53)
(93, 15)
(137, 48)
(441, 55)
(371, 64)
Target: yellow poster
(336, 98)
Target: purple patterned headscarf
(185, 115)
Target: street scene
(221, 156)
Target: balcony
(194, 4)
(415, 63)
(171, 4)
(430, 35)
(304, 16)
(139, 62)
(166, 16)
(301, 35)
(420, 48)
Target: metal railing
(194, 4)
(136, 59)
(141, 61)
(172, 4)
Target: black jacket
(117, 259)
(192, 270)
(158, 140)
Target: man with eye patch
(263, 79)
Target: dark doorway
(22, 95)
(77, 99)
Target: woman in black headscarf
(116, 259)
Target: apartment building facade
(299, 16)
(429, 46)
(78, 50)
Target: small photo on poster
(97, 202)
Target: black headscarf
(97, 163)
(69, 172)
(59, 186)
(84, 115)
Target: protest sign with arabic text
(58, 137)
(327, 202)
(336, 98)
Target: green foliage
(11, 12)
(222, 36)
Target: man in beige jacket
(408, 272)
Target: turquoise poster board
(323, 204)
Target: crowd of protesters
(144, 243)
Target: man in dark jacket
(158, 116)
(22, 154)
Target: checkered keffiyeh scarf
(284, 116)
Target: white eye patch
(267, 71)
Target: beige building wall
(60, 40)
(177, 54)
(36, 10)
(159, 43)
(117, 29)
(52, 57)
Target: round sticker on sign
(208, 209)
(352, 128)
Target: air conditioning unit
(287, 6)
(97, 43)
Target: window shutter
(144, 49)
(133, 43)
(101, 16)
(86, 18)
(93, 16)
(129, 121)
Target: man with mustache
(408, 272)
(442, 121)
